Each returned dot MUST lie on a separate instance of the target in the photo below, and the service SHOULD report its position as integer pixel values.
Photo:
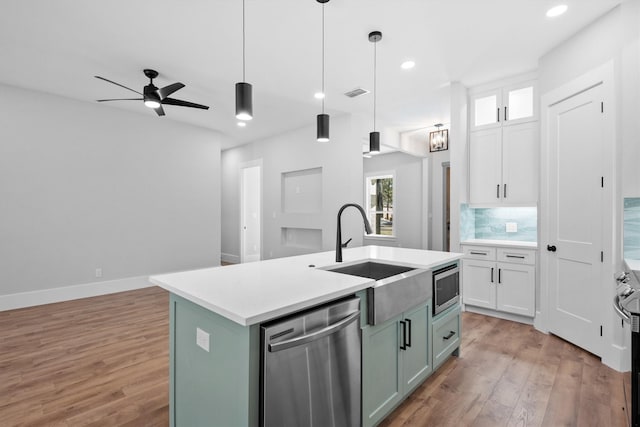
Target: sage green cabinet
(396, 358)
(446, 335)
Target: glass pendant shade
(244, 103)
(323, 128)
(374, 142)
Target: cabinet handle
(498, 191)
(499, 275)
(515, 256)
(498, 115)
(504, 192)
(505, 114)
(451, 333)
(478, 253)
(403, 346)
(491, 274)
(407, 343)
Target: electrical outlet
(202, 339)
(99, 272)
(512, 227)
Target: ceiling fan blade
(159, 111)
(117, 84)
(120, 99)
(180, 103)
(168, 90)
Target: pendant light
(323, 119)
(374, 137)
(244, 102)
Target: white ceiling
(58, 46)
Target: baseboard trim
(66, 293)
(230, 258)
(499, 314)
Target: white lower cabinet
(500, 279)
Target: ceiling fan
(154, 97)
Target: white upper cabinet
(504, 106)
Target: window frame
(381, 174)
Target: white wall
(630, 99)
(407, 192)
(436, 205)
(341, 163)
(86, 186)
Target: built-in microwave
(446, 288)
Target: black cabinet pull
(551, 248)
(498, 191)
(451, 333)
(478, 253)
(499, 275)
(407, 343)
(491, 274)
(505, 114)
(498, 114)
(515, 256)
(504, 192)
(403, 346)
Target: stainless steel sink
(396, 288)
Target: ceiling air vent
(356, 92)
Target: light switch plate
(202, 339)
(512, 227)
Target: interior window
(379, 199)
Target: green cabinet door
(381, 367)
(416, 357)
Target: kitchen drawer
(446, 335)
(517, 256)
(480, 252)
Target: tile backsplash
(632, 228)
(491, 223)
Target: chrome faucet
(339, 244)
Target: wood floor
(103, 361)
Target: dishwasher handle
(304, 339)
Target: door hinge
(601, 256)
(602, 107)
(600, 330)
(602, 181)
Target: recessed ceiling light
(557, 10)
(407, 65)
(242, 124)
(318, 95)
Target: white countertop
(255, 292)
(501, 243)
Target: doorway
(577, 208)
(250, 212)
(446, 206)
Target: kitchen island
(215, 318)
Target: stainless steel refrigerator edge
(311, 368)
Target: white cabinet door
(516, 289)
(485, 166)
(479, 287)
(519, 103)
(520, 164)
(486, 109)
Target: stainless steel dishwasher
(311, 368)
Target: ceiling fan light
(151, 103)
(244, 103)
(323, 128)
(374, 142)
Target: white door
(250, 213)
(576, 140)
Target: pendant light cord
(244, 79)
(323, 94)
(375, 92)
